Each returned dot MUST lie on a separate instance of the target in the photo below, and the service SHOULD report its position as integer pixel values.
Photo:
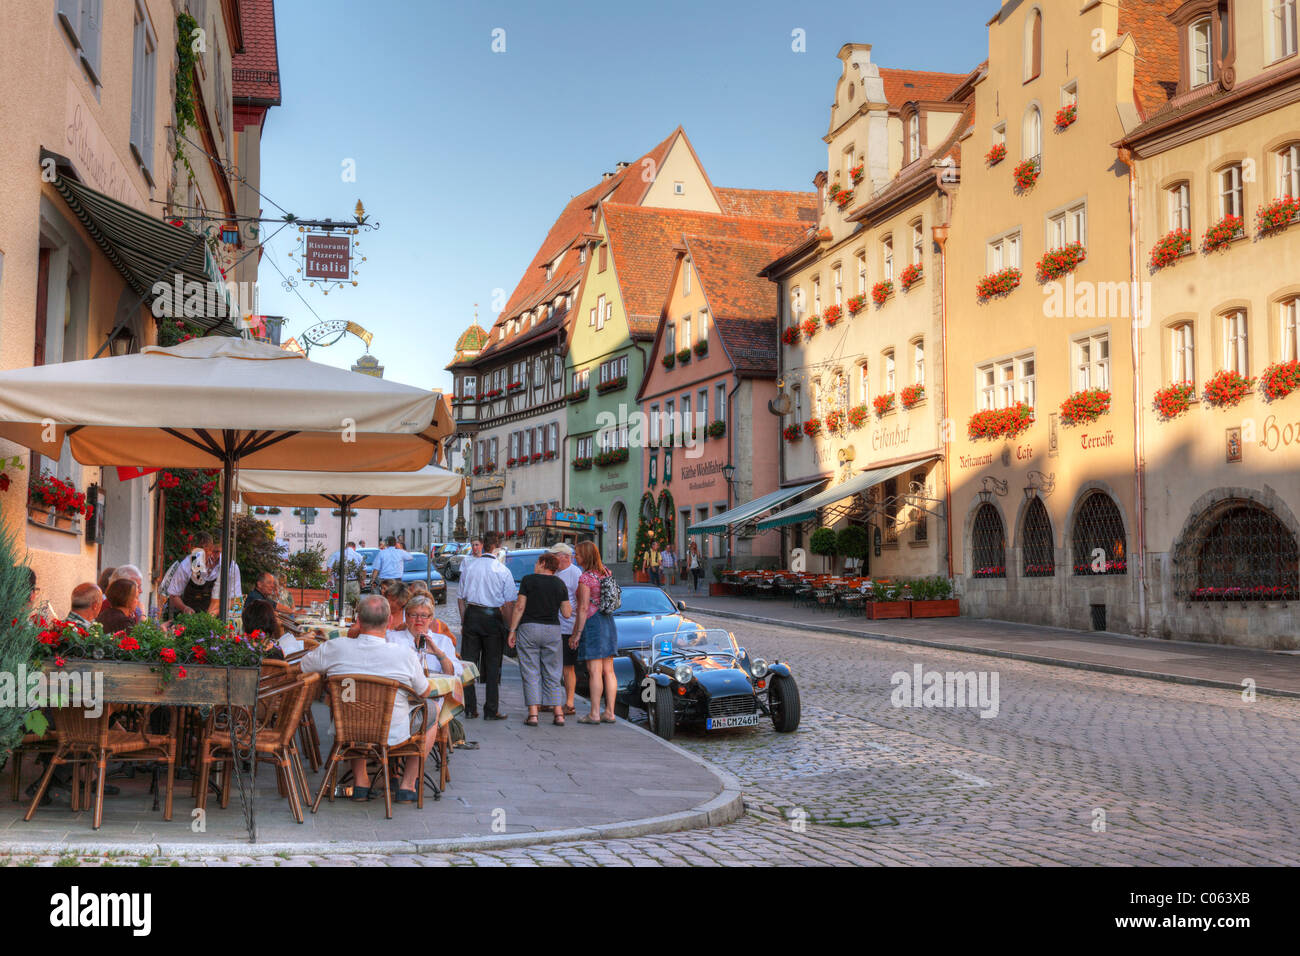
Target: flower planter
(1222, 234)
(887, 610)
(1226, 388)
(1170, 247)
(1280, 380)
(995, 155)
(1000, 423)
(641, 577)
(997, 284)
(911, 276)
(720, 589)
(683, 356)
(810, 326)
(1085, 406)
(1172, 400)
(1026, 174)
(912, 395)
(951, 607)
(881, 291)
(1056, 263)
(1066, 116)
(856, 304)
(1276, 216)
(133, 682)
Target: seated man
(370, 653)
(87, 599)
(264, 592)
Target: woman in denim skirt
(599, 639)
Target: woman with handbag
(693, 562)
(594, 634)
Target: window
(142, 89)
(798, 402)
(1200, 47)
(848, 166)
(918, 362)
(890, 510)
(796, 304)
(1006, 382)
(1070, 94)
(988, 544)
(553, 437)
(1032, 144)
(1034, 45)
(862, 273)
(1091, 362)
(864, 384)
(582, 255)
(837, 282)
(1182, 341)
(591, 317)
(1244, 553)
(613, 370)
(583, 448)
(704, 328)
(1288, 171)
(914, 137)
(887, 252)
(670, 428)
(1004, 252)
(620, 532)
(83, 21)
(1068, 226)
(1234, 342)
(1230, 191)
(514, 445)
(1284, 38)
(1037, 549)
(1290, 339)
(889, 371)
(688, 423)
(602, 258)
(817, 295)
(918, 243)
(581, 379)
(921, 528)
(686, 332)
(686, 277)
(1180, 206)
(704, 408)
(1000, 135)
(602, 312)
(557, 369)
(1099, 536)
(670, 339)
(654, 424)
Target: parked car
(416, 568)
(449, 557)
(522, 562)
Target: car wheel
(783, 702)
(660, 711)
(442, 598)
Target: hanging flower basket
(1066, 116)
(1058, 262)
(812, 426)
(883, 403)
(832, 315)
(912, 395)
(701, 348)
(881, 291)
(1026, 174)
(997, 284)
(669, 360)
(1276, 216)
(1280, 380)
(1001, 422)
(1172, 400)
(1220, 235)
(856, 173)
(857, 416)
(857, 304)
(1226, 388)
(790, 336)
(911, 276)
(834, 421)
(996, 154)
(809, 326)
(1085, 406)
(581, 464)
(1171, 247)
(792, 433)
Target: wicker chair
(86, 740)
(34, 744)
(361, 720)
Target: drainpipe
(941, 237)
(1139, 452)
(731, 447)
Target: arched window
(1245, 554)
(1032, 141)
(1099, 537)
(1034, 46)
(988, 544)
(620, 532)
(914, 137)
(1038, 551)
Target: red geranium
(167, 655)
(1058, 262)
(1172, 400)
(128, 644)
(809, 326)
(1085, 406)
(1001, 422)
(1226, 388)
(792, 433)
(1170, 247)
(1280, 380)
(883, 403)
(791, 335)
(1066, 116)
(911, 276)
(857, 416)
(1026, 174)
(1276, 216)
(996, 154)
(882, 291)
(1220, 235)
(834, 420)
(812, 426)
(832, 315)
(856, 304)
(997, 284)
(912, 394)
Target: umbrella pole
(341, 580)
(228, 474)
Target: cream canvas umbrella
(430, 487)
(222, 401)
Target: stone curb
(993, 652)
(726, 807)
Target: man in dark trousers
(487, 596)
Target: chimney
(606, 176)
(622, 166)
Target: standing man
(487, 595)
(670, 564)
(653, 562)
(192, 589)
(569, 573)
(390, 562)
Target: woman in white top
(420, 634)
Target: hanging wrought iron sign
(327, 252)
(327, 333)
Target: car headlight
(684, 673)
(759, 666)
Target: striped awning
(807, 510)
(143, 249)
(718, 524)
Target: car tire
(662, 719)
(442, 598)
(783, 702)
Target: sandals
(569, 710)
(588, 719)
(558, 721)
(531, 721)
(360, 794)
(608, 719)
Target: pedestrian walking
(653, 563)
(569, 573)
(669, 564)
(694, 565)
(535, 634)
(487, 595)
(598, 598)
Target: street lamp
(121, 342)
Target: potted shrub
(932, 597)
(853, 542)
(885, 601)
(1172, 400)
(716, 587)
(823, 542)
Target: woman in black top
(535, 634)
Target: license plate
(739, 720)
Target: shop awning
(740, 514)
(144, 250)
(807, 510)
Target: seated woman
(261, 620)
(427, 635)
(120, 605)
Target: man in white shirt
(487, 595)
(185, 595)
(390, 562)
(352, 587)
(569, 573)
(370, 653)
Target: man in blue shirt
(390, 562)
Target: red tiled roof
(904, 85)
(641, 241)
(255, 73)
(768, 203)
(744, 305)
(1155, 72)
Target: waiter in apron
(191, 588)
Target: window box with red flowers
(857, 172)
(791, 335)
(494, 393)
(843, 197)
(883, 403)
(812, 426)
(996, 154)
(515, 387)
(1226, 388)
(809, 326)
(991, 571)
(1026, 174)
(615, 456)
(511, 462)
(856, 304)
(717, 428)
(857, 416)
(581, 464)
(881, 291)
(1276, 216)
(1058, 262)
(997, 284)
(612, 385)
(1280, 380)
(579, 394)
(1001, 422)
(1066, 116)
(1172, 400)
(1085, 406)
(1222, 233)
(911, 276)
(56, 502)
(792, 433)
(834, 421)
(912, 395)
(832, 315)
(535, 456)
(1171, 247)
(669, 360)
(683, 356)
(701, 347)
(548, 456)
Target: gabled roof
(743, 304)
(255, 72)
(1155, 69)
(768, 204)
(641, 242)
(902, 86)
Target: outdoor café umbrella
(222, 401)
(430, 487)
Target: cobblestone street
(1177, 774)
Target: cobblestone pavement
(1177, 775)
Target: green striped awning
(807, 510)
(718, 524)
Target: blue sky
(465, 156)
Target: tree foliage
(17, 635)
